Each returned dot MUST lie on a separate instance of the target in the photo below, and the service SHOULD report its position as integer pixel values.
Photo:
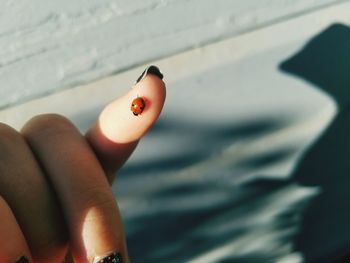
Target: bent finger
(13, 246)
(26, 190)
(117, 131)
(88, 204)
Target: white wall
(46, 46)
(203, 143)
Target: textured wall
(224, 168)
(46, 46)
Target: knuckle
(93, 207)
(8, 134)
(97, 198)
(49, 123)
(12, 144)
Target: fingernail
(150, 70)
(22, 260)
(111, 258)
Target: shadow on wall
(215, 138)
(325, 229)
(191, 215)
(195, 217)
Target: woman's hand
(54, 182)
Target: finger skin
(13, 244)
(28, 193)
(85, 196)
(117, 131)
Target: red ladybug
(137, 106)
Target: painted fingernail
(22, 260)
(150, 70)
(111, 258)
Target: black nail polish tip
(112, 258)
(150, 70)
(22, 260)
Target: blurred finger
(26, 190)
(13, 246)
(117, 130)
(85, 196)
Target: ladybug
(137, 106)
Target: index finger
(117, 131)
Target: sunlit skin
(77, 209)
(118, 112)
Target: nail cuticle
(150, 70)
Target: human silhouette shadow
(324, 235)
(176, 235)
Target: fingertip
(117, 121)
(117, 131)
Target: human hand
(54, 181)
